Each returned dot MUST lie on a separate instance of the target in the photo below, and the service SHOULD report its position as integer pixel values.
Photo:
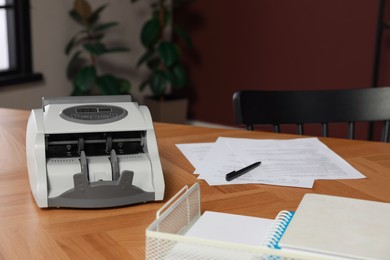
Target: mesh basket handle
(171, 201)
(179, 196)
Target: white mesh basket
(165, 237)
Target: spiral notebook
(340, 226)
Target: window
(15, 42)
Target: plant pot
(168, 110)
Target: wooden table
(27, 231)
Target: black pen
(234, 174)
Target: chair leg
(300, 129)
(249, 127)
(276, 128)
(386, 129)
(351, 130)
(325, 130)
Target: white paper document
(294, 162)
(231, 228)
(195, 152)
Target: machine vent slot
(94, 144)
(63, 160)
(133, 156)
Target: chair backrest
(252, 107)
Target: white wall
(51, 29)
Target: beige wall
(52, 28)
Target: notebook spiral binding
(277, 229)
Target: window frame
(19, 42)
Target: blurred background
(250, 44)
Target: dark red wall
(284, 44)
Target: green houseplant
(85, 48)
(162, 40)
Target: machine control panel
(93, 114)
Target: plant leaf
(150, 33)
(77, 92)
(108, 84)
(83, 8)
(168, 53)
(117, 49)
(145, 57)
(111, 85)
(125, 86)
(71, 64)
(96, 37)
(76, 17)
(105, 26)
(71, 44)
(158, 83)
(80, 39)
(95, 15)
(85, 78)
(97, 48)
(178, 76)
(183, 35)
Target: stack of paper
(294, 162)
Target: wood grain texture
(28, 232)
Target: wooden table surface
(28, 232)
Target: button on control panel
(93, 114)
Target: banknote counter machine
(92, 152)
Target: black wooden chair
(257, 107)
